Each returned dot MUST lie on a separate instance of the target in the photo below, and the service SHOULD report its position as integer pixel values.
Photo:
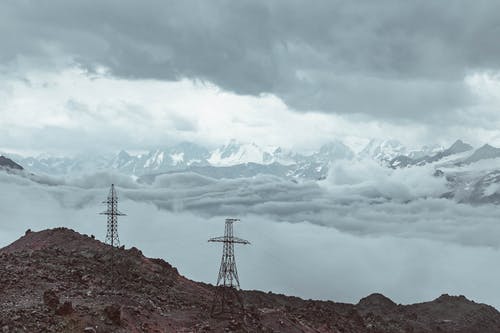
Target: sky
(111, 75)
(101, 76)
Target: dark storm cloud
(387, 58)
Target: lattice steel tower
(227, 282)
(113, 213)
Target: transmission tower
(113, 213)
(228, 282)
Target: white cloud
(370, 179)
(71, 111)
(101, 112)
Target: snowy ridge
(236, 153)
(471, 175)
(383, 150)
(234, 156)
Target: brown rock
(65, 309)
(114, 313)
(50, 299)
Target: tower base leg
(227, 303)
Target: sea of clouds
(364, 229)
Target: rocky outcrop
(7, 163)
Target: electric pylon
(112, 212)
(228, 282)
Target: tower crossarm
(110, 212)
(224, 239)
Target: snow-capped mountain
(248, 160)
(425, 151)
(403, 161)
(332, 151)
(476, 187)
(316, 165)
(383, 150)
(483, 153)
(457, 147)
(485, 189)
(235, 153)
(189, 156)
(176, 157)
(470, 175)
(386, 151)
(54, 165)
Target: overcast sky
(134, 75)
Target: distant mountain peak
(487, 146)
(383, 150)
(459, 147)
(334, 150)
(123, 153)
(484, 152)
(9, 164)
(235, 153)
(403, 161)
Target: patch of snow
(177, 158)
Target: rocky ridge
(61, 281)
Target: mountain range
(237, 159)
(186, 156)
(472, 175)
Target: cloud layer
(335, 241)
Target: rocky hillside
(61, 281)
